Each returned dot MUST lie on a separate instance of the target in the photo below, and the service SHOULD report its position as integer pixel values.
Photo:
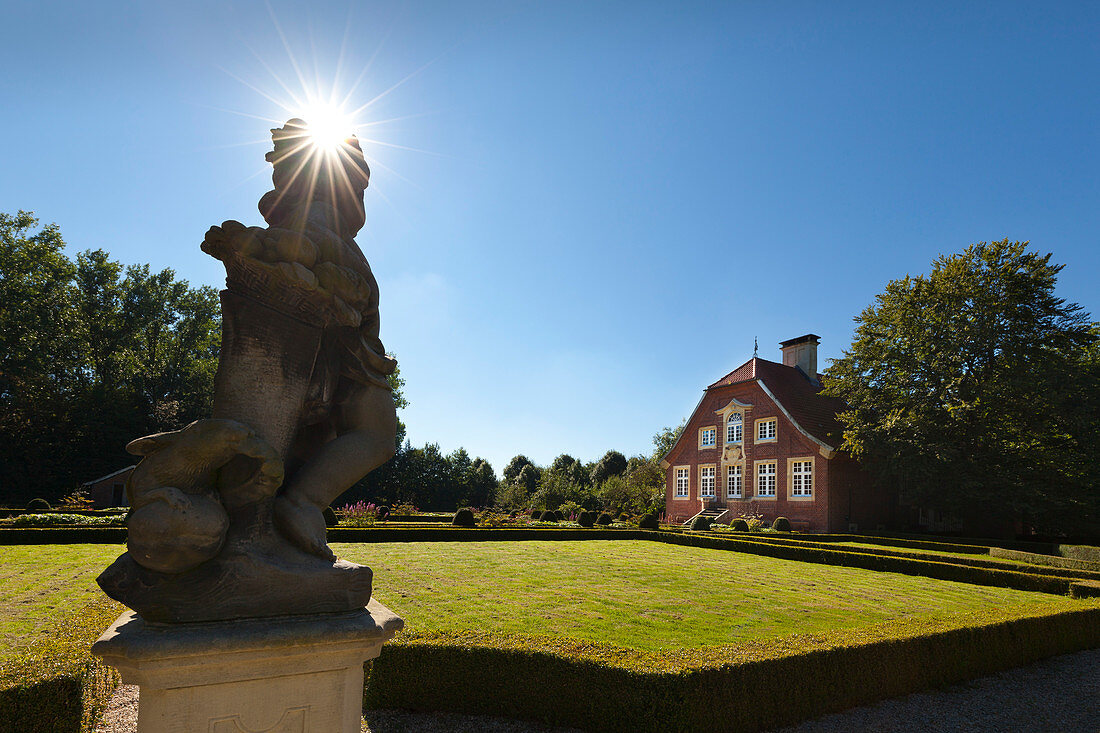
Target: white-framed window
(765, 479)
(706, 482)
(734, 488)
(734, 426)
(766, 429)
(802, 478)
(708, 437)
(683, 474)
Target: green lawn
(41, 583)
(639, 594)
(648, 595)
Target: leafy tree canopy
(92, 355)
(613, 463)
(976, 386)
(666, 438)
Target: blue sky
(580, 213)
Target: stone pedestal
(276, 675)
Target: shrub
(536, 514)
(38, 505)
(551, 679)
(464, 518)
(331, 520)
(739, 525)
(649, 521)
(699, 523)
(586, 519)
(549, 516)
(781, 524)
(59, 520)
(55, 685)
(604, 519)
(624, 517)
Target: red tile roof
(815, 413)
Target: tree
(613, 463)
(397, 384)
(528, 477)
(511, 471)
(975, 388)
(666, 437)
(483, 484)
(92, 355)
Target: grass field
(41, 583)
(638, 594)
(651, 596)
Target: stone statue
(226, 514)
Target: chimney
(801, 352)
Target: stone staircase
(714, 514)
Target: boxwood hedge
(55, 685)
(742, 688)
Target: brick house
(110, 490)
(763, 440)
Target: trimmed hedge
(781, 524)
(699, 523)
(586, 519)
(740, 688)
(605, 519)
(1084, 553)
(61, 535)
(1085, 589)
(871, 561)
(770, 538)
(464, 518)
(649, 521)
(55, 685)
(1048, 560)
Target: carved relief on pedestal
(294, 720)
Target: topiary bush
(624, 517)
(649, 521)
(464, 518)
(38, 505)
(699, 523)
(781, 524)
(586, 519)
(536, 514)
(604, 519)
(549, 516)
(331, 520)
(739, 525)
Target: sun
(328, 125)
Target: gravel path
(1059, 695)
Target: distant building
(110, 490)
(763, 440)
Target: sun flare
(328, 125)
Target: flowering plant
(359, 514)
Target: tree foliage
(666, 437)
(613, 463)
(976, 386)
(92, 355)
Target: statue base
(275, 675)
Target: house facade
(763, 441)
(110, 490)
